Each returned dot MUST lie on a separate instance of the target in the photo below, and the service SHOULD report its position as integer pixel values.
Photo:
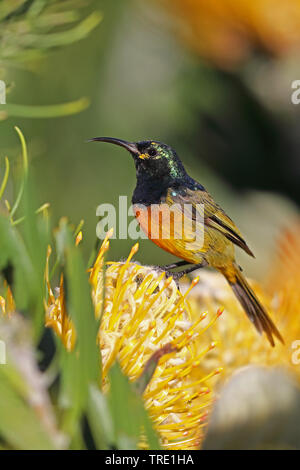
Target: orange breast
(168, 230)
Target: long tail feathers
(253, 308)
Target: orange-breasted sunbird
(162, 184)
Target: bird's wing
(201, 203)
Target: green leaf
(63, 38)
(13, 252)
(142, 381)
(27, 264)
(19, 424)
(5, 178)
(36, 237)
(100, 419)
(82, 367)
(46, 111)
(8, 7)
(129, 416)
(27, 419)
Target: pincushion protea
(142, 313)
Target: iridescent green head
(153, 160)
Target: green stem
(4, 182)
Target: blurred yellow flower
(239, 344)
(226, 31)
(7, 303)
(56, 313)
(283, 283)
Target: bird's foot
(177, 275)
(167, 267)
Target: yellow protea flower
(7, 303)
(56, 313)
(144, 314)
(239, 343)
(227, 31)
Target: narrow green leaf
(19, 424)
(5, 178)
(25, 172)
(36, 237)
(129, 415)
(100, 419)
(63, 38)
(46, 111)
(13, 252)
(141, 383)
(81, 368)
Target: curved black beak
(130, 146)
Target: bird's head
(153, 160)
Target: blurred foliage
(29, 29)
(56, 110)
(27, 418)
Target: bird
(164, 185)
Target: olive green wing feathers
(214, 216)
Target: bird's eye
(152, 152)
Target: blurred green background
(236, 130)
